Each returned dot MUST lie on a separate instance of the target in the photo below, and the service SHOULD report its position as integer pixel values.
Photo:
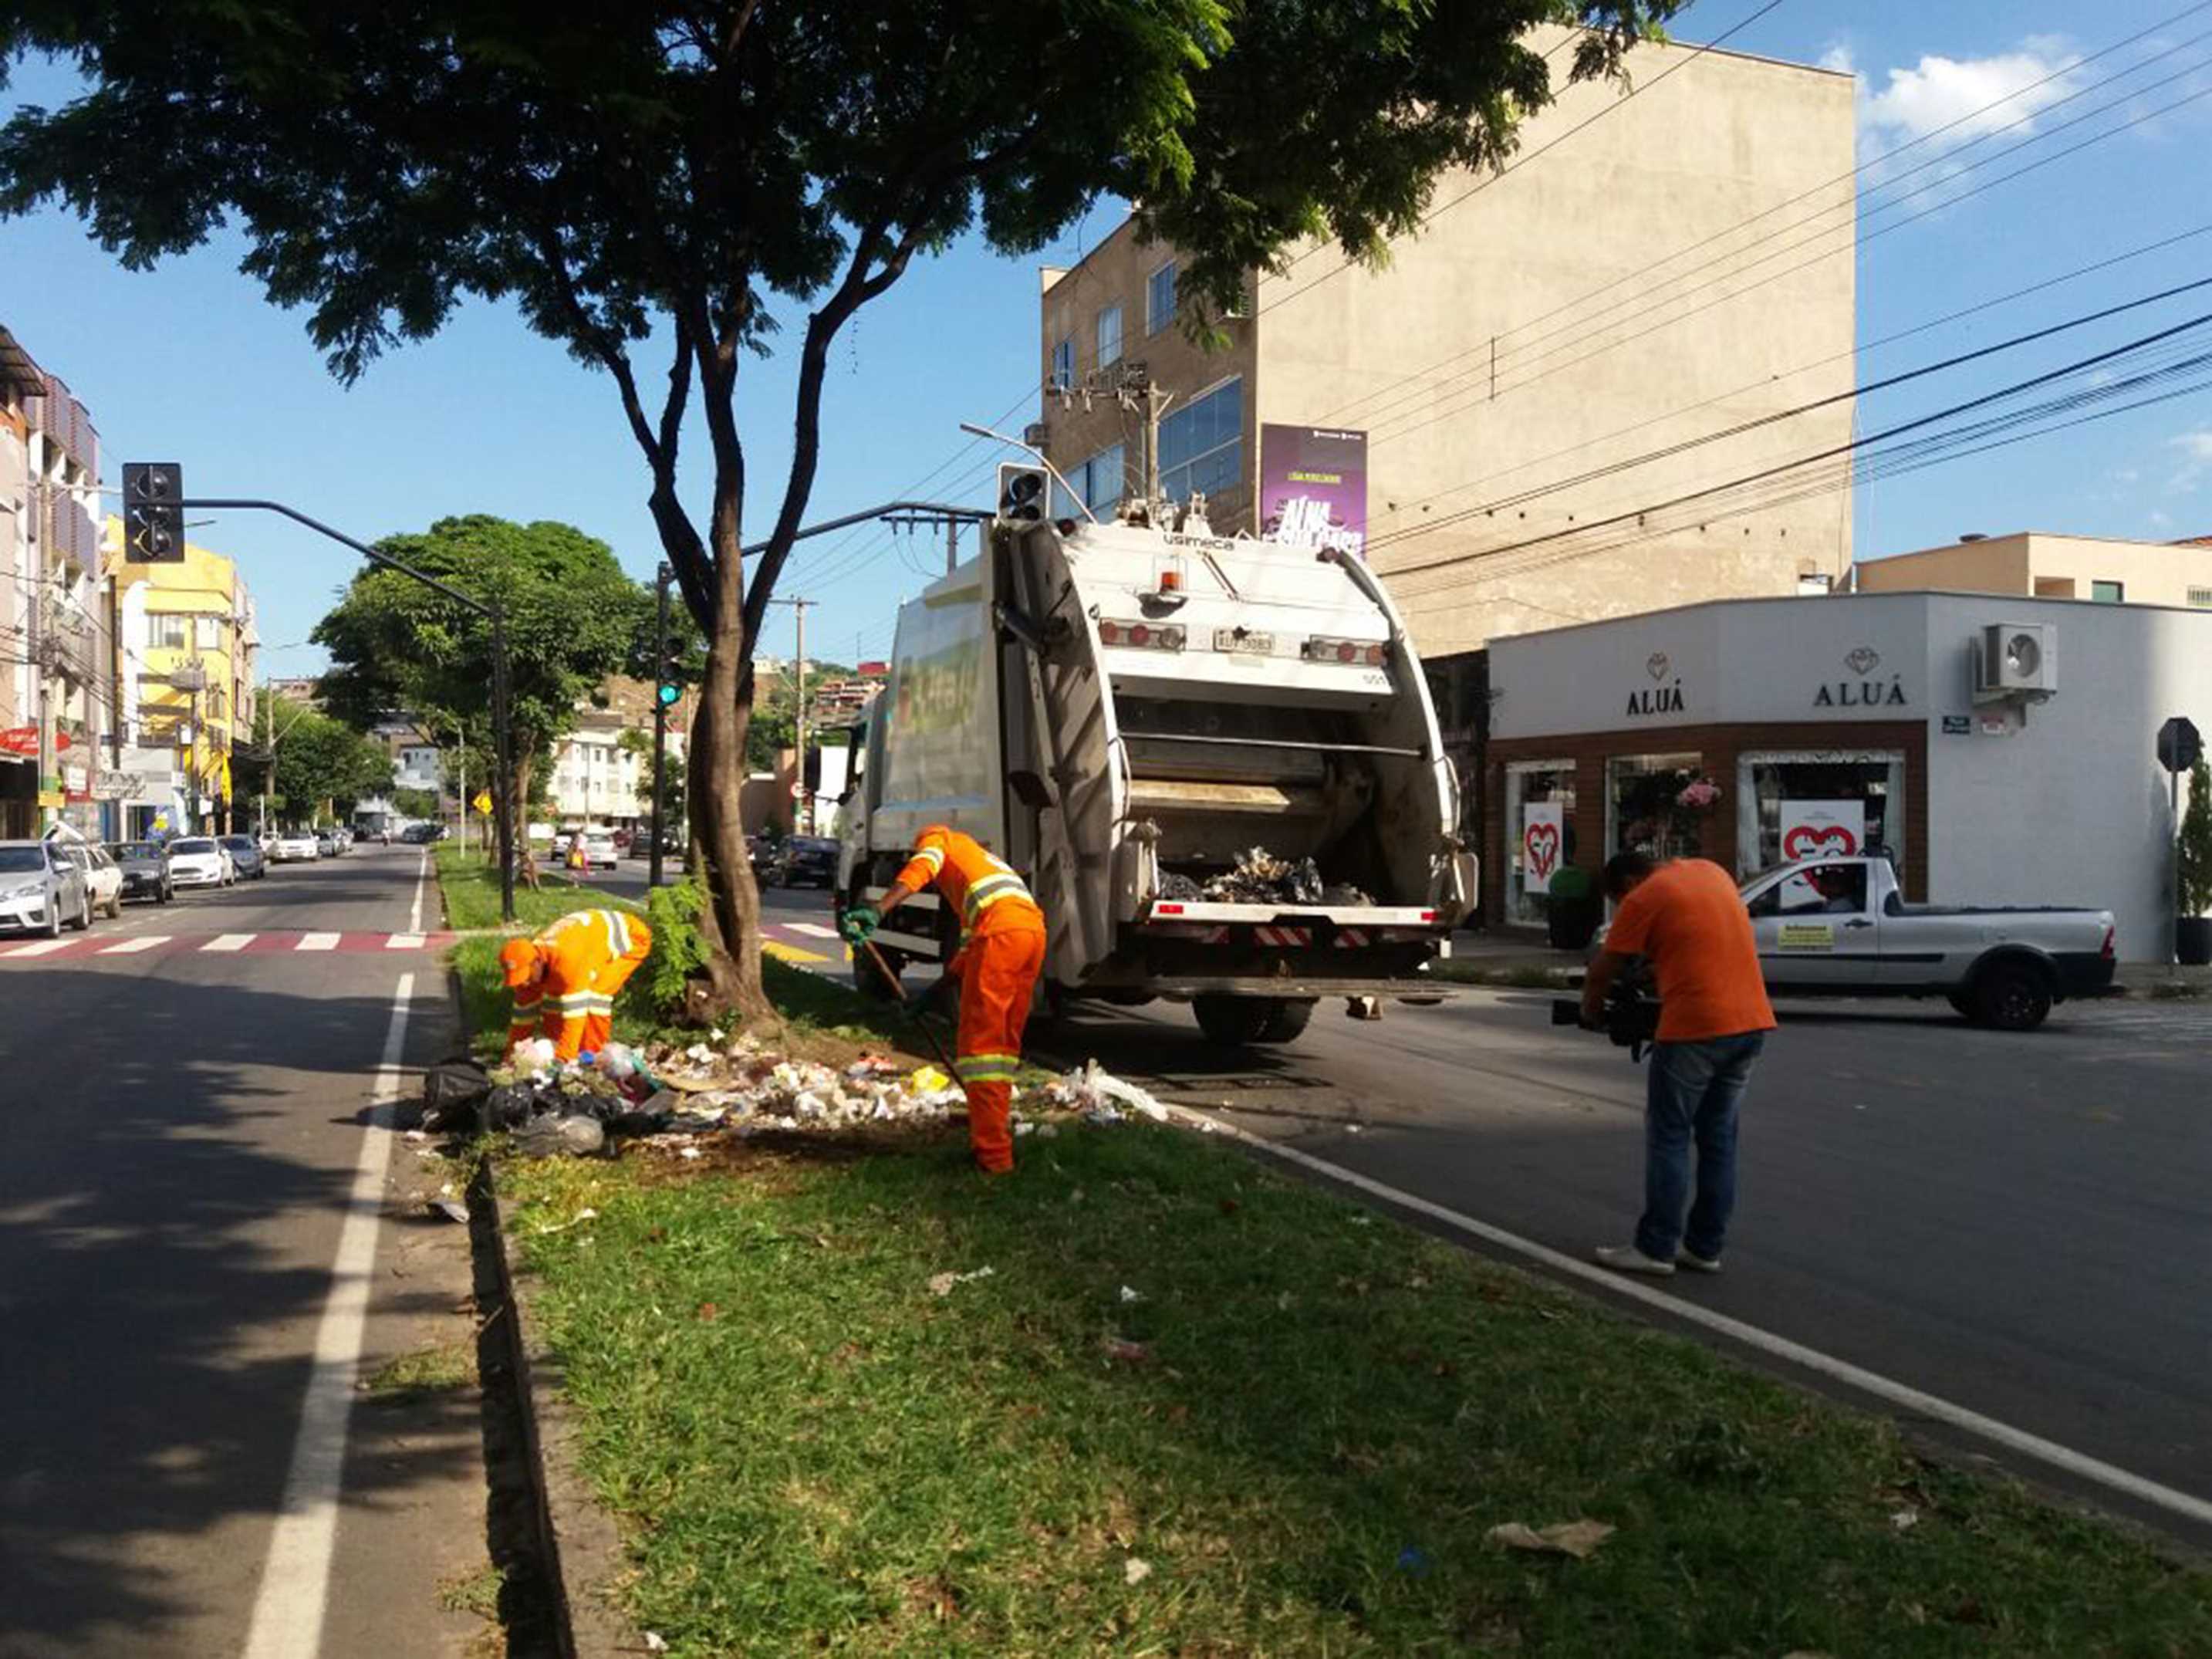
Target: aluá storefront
(1753, 730)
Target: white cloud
(2197, 444)
(1938, 91)
(2196, 449)
(2160, 521)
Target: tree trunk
(716, 769)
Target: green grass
(812, 1453)
(423, 1372)
(474, 1592)
(469, 882)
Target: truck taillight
(1143, 636)
(1167, 909)
(2107, 951)
(1349, 651)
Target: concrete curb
(578, 1541)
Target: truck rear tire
(1286, 1023)
(2011, 997)
(1233, 1021)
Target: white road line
(229, 942)
(288, 1613)
(132, 945)
(45, 947)
(404, 942)
(1893, 1393)
(812, 929)
(317, 942)
(414, 913)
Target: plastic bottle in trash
(617, 1061)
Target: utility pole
(952, 549)
(801, 820)
(662, 684)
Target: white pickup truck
(1839, 927)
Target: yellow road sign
(482, 802)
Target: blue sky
(189, 363)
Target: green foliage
(2196, 844)
(573, 617)
(318, 760)
(416, 803)
(678, 951)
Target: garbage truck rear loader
(1214, 761)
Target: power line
(2069, 68)
(1853, 447)
(1902, 378)
(1764, 381)
(1519, 162)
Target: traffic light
(668, 694)
(153, 511)
(1023, 491)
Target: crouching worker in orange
(1001, 953)
(564, 979)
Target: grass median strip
(1195, 1407)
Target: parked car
(1840, 927)
(760, 853)
(600, 849)
(200, 861)
(326, 844)
(296, 847)
(561, 839)
(422, 834)
(808, 860)
(145, 867)
(246, 854)
(40, 888)
(103, 878)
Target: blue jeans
(1693, 1094)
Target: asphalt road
(2020, 1224)
(185, 1131)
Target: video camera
(1632, 1018)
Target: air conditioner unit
(2015, 661)
(1035, 435)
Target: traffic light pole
(501, 742)
(659, 727)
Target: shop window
(1531, 862)
(2108, 592)
(1805, 804)
(1658, 804)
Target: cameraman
(1685, 918)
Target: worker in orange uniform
(1001, 953)
(564, 979)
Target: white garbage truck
(1214, 761)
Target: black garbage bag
(451, 1091)
(509, 1106)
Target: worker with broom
(1001, 953)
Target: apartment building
(1609, 295)
(189, 642)
(56, 678)
(2037, 564)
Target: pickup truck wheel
(2011, 998)
(1286, 1021)
(1233, 1021)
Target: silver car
(42, 887)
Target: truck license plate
(1247, 643)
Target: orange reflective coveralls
(589, 955)
(1001, 953)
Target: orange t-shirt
(1687, 918)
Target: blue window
(1063, 362)
(1160, 299)
(1109, 337)
(1202, 444)
(1098, 481)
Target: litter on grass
(1576, 1537)
(552, 1109)
(1135, 1570)
(943, 1283)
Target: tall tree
(670, 174)
(322, 764)
(573, 619)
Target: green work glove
(859, 923)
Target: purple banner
(1313, 487)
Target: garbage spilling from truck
(677, 1095)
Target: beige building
(2034, 564)
(1679, 266)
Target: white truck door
(1818, 928)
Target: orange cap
(519, 956)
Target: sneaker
(1627, 1259)
(1696, 1263)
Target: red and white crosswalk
(87, 946)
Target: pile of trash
(1260, 877)
(555, 1110)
